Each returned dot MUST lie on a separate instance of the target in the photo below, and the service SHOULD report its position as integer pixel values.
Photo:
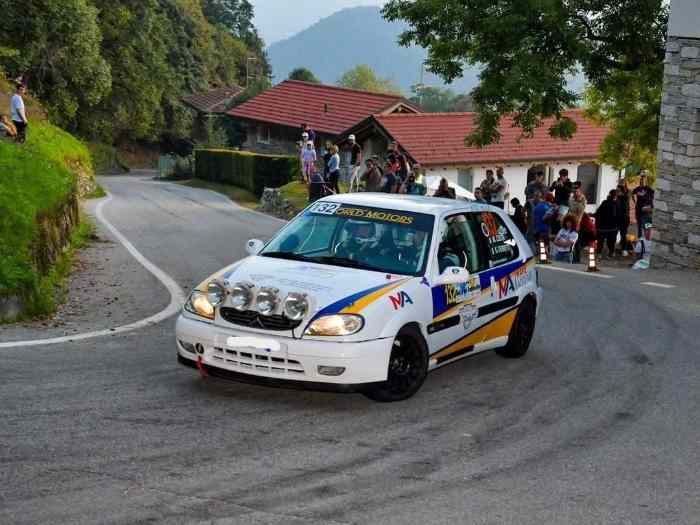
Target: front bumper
(296, 361)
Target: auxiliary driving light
(216, 293)
(266, 301)
(241, 296)
(295, 306)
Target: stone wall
(274, 203)
(677, 202)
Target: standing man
(537, 185)
(19, 114)
(355, 163)
(577, 202)
(643, 197)
(562, 189)
(372, 177)
(487, 186)
(499, 189)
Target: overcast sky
(279, 19)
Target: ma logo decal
(400, 300)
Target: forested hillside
(114, 70)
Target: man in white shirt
(18, 113)
(498, 190)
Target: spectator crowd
(555, 215)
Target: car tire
(521, 332)
(408, 368)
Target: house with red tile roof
(436, 141)
(273, 118)
(208, 104)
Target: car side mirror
(254, 246)
(453, 275)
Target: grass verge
(238, 195)
(51, 289)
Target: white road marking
(177, 296)
(571, 270)
(659, 285)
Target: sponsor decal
(366, 213)
(400, 300)
(467, 314)
(457, 293)
(325, 208)
(511, 283)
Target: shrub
(251, 171)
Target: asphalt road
(599, 423)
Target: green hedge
(244, 169)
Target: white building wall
(516, 175)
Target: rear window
(494, 237)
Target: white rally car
(366, 292)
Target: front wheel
(408, 368)
(521, 332)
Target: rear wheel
(521, 332)
(408, 368)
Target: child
(7, 128)
(308, 158)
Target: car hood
(329, 289)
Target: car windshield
(376, 239)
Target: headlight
(216, 293)
(199, 304)
(266, 301)
(241, 296)
(341, 324)
(295, 306)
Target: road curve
(599, 423)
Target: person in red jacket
(586, 235)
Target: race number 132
(325, 208)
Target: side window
(496, 243)
(460, 246)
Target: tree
(59, 44)
(301, 73)
(433, 99)
(528, 48)
(364, 78)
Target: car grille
(255, 320)
(251, 362)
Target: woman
(586, 236)
(308, 158)
(334, 169)
(327, 157)
(444, 190)
(565, 240)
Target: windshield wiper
(289, 256)
(344, 261)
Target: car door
(502, 283)
(456, 306)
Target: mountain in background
(357, 36)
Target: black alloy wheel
(521, 332)
(408, 368)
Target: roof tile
(438, 139)
(328, 109)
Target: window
(587, 175)
(376, 239)
(264, 135)
(465, 178)
(495, 243)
